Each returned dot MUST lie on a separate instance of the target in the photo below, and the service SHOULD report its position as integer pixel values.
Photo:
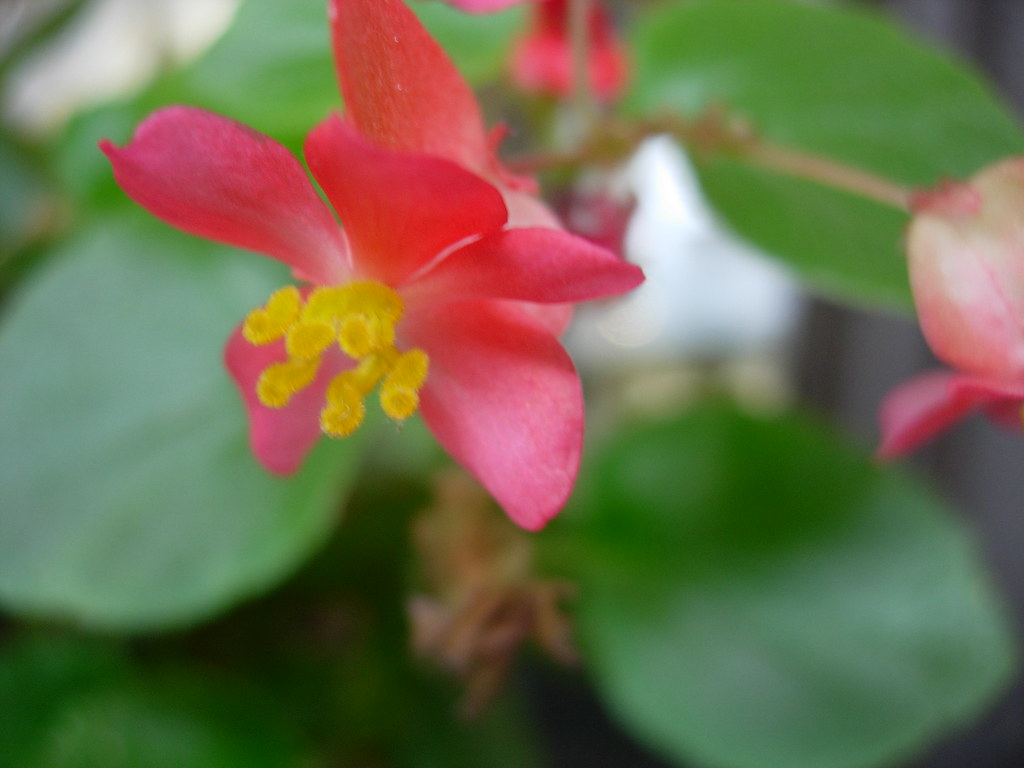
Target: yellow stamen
(398, 403)
(325, 304)
(410, 370)
(369, 371)
(356, 337)
(373, 298)
(345, 408)
(280, 381)
(307, 340)
(361, 317)
(271, 322)
(399, 394)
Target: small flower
(965, 251)
(419, 298)
(542, 60)
(543, 63)
(431, 296)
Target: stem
(828, 172)
(579, 40)
(537, 162)
(51, 26)
(714, 132)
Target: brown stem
(715, 132)
(829, 172)
(546, 161)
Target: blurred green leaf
(840, 244)
(479, 44)
(25, 205)
(434, 736)
(835, 81)
(38, 676)
(753, 594)
(78, 703)
(169, 722)
(271, 70)
(274, 68)
(128, 494)
(333, 644)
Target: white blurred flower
(707, 293)
(113, 48)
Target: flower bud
(542, 62)
(965, 248)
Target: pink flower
(966, 257)
(424, 295)
(542, 61)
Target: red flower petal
(539, 265)
(916, 411)
(399, 211)
(1001, 402)
(504, 400)
(400, 88)
(216, 178)
(280, 437)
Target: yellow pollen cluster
(360, 317)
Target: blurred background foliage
(751, 590)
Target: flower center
(361, 318)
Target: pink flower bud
(543, 60)
(966, 257)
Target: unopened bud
(542, 62)
(965, 248)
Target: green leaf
(38, 676)
(128, 494)
(479, 44)
(271, 70)
(753, 594)
(842, 245)
(169, 722)
(82, 170)
(832, 81)
(23, 195)
(78, 703)
(274, 68)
